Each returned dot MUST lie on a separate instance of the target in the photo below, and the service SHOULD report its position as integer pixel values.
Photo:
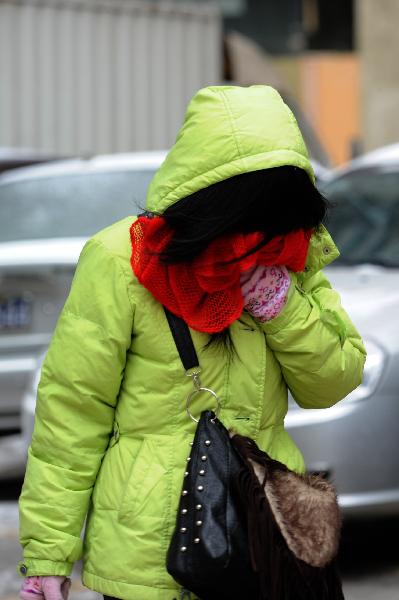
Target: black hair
(274, 201)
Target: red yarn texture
(205, 292)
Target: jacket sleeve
(77, 395)
(317, 346)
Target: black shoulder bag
(247, 527)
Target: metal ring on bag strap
(197, 391)
(194, 374)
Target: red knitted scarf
(206, 292)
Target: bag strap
(182, 337)
(185, 347)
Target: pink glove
(265, 291)
(51, 587)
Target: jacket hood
(228, 130)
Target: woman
(238, 227)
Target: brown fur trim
(306, 510)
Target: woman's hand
(265, 291)
(48, 587)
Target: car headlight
(372, 373)
(29, 399)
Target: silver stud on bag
(184, 493)
(199, 507)
(197, 540)
(200, 488)
(191, 443)
(202, 472)
(183, 529)
(207, 442)
(203, 457)
(184, 511)
(186, 473)
(188, 458)
(198, 523)
(183, 549)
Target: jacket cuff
(33, 566)
(295, 301)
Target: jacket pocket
(147, 486)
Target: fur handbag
(293, 524)
(247, 526)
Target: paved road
(369, 560)
(369, 557)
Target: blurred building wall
(327, 86)
(99, 76)
(378, 43)
(329, 96)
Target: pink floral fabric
(265, 291)
(51, 587)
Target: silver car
(356, 443)
(46, 214)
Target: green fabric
(228, 130)
(111, 434)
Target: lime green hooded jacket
(111, 433)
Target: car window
(364, 218)
(70, 205)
